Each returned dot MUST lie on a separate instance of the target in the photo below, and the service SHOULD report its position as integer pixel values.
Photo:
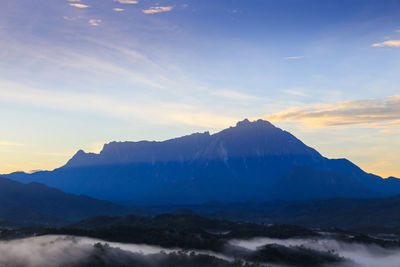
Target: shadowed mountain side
(38, 204)
(241, 163)
(304, 183)
(388, 187)
(171, 182)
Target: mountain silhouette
(247, 139)
(253, 161)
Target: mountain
(247, 139)
(253, 161)
(35, 203)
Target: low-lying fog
(357, 254)
(61, 250)
(57, 250)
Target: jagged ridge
(253, 161)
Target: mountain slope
(304, 183)
(38, 204)
(240, 163)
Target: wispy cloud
(390, 43)
(296, 92)
(233, 95)
(118, 9)
(79, 5)
(73, 0)
(371, 113)
(118, 64)
(95, 22)
(111, 106)
(293, 57)
(157, 9)
(387, 131)
(127, 1)
(7, 143)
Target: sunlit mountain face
(123, 138)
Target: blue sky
(77, 74)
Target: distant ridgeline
(253, 161)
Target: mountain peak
(259, 123)
(247, 139)
(81, 158)
(80, 152)
(243, 123)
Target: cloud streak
(108, 105)
(372, 113)
(7, 143)
(388, 43)
(78, 5)
(95, 22)
(169, 97)
(127, 1)
(157, 9)
(293, 57)
(234, 95)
